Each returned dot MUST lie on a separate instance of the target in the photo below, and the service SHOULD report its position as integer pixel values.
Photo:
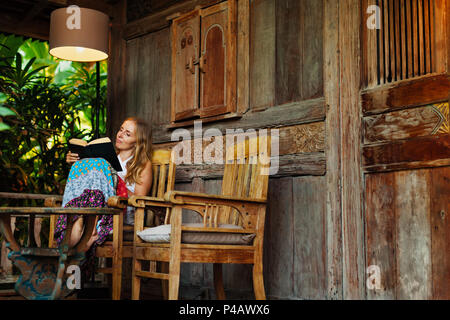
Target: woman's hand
(71, 158)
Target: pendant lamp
(80, 34)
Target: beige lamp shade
(79, 34)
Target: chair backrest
(246, 173)
(163, 173)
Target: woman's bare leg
(77, 231)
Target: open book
(98, 148)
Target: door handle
(193, 62)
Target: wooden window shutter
(409, 43)
(218, 55)
(204, 62)
(185, 68)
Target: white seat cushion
(161, 234)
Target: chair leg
(258, 282)
(165, 283)
(136, 281)
(175, 249)
(117, 280)
(174, 280)
(218, 281)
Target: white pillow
(157, 234)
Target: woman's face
(126, 137)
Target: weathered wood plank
(405, 94)
(381, 232)
(132, 76)
(289, 165)
(262, 54)
(313, 38)
(310, 243)
(243, 58)
(351, 132)
(304, 138)
(278, 240)
(158, 50)
(440, 235)
(421, 149)
(408, 165)
(332, 147)
(116, 99)
(412, 206)
(289, 54)
(441, 11)
(369, 48)
(289, 114)
(403, 124)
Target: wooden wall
(333, 208)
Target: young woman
(133, 147)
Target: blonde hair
(142, 151)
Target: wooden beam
(58, 2)
(406, 94)
(331, 75)
(422, 149)
(351, 131)
(37, 29)
(34, 11)
(310, 164)
(116, 70)
(289, 114)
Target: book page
(79, 142)
(100, 140)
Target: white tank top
(123, 173)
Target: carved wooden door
(185, 72)
(406, 148)
(204, 66)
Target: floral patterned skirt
(90, 183)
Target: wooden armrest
(184, 197)
(117, 202)
(145, 201)
(54, 201)
(59, 211)
(12, 195)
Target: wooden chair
(121, 245)
(238, 213)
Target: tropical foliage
(43, 103)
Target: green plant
(33, 151)
(83, 80)
(41, 108)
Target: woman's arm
(143, 188)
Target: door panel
(406, 148)
(186, 38)
(407, 233)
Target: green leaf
(4, 126)
(4, 112)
